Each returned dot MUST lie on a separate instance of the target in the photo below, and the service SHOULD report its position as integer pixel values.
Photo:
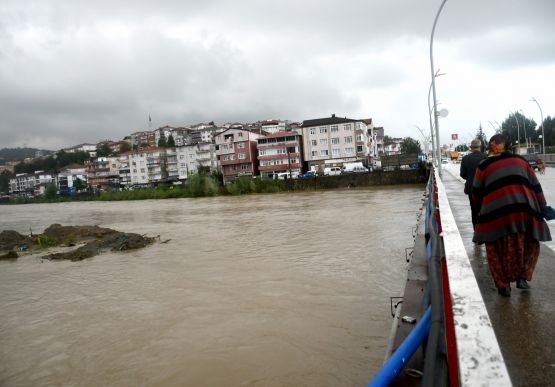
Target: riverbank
(208, 185)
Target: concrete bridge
(524, 323)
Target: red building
(280, 155)
(236, 153)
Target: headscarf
(497, 145)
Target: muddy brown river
(263, 290)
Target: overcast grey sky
(74, 71)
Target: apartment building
(236, 152)
(67, 179)
(103, 173)
(280, 155)
(333, 141)
(191, 157)
(25, 183)
(144, 166)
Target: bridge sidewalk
(524, 323)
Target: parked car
(308, 175)
(353, 168)
(535, 162)
(332, 171)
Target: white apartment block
(26, 182)
(144, 166)
(191, 157)
(335, 140)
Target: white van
(353, 168)
(332, 171)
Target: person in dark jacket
(510, 204)
(469, 164)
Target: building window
(359, 148)
(334, 129)
(323, 141)
(232, 157)
(348, 139)
(245, 167)
(359, 137)
(336, 152)
(312, 130)
(241, 145)
(323, 152)
(349, 151)
(347, 127)
(335, 140)
(314, 153)
(261, 152)
(242, 156)
(314, 142)
(323, 129)
(224, 147)
(240, 134)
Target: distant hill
(18, 154)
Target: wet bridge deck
(524, 323)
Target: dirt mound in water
(94, 240)
(10, 239)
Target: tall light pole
(541, 115)
(524, 127)
(517, 133)
(437, 74)
(438, 154)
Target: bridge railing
(480, 361)
(455, 332)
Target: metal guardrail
(461, 348)
(479, 356)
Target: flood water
(264, 290)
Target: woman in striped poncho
(509, 201)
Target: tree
(518, 125)
(125, 147)
(103, 150)
(171, 142)
(162, 142)
(461, 148)
(410, 145)
(79, 184)
(51, 190)
(5, 177)
(480, 135)
(548, 130)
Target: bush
(201, 185)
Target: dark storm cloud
(81, 71)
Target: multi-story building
(24, 183)
(89, 148)
(333, 141)
(144, 166)
(280, 154)
(172, 167)
(203, 133)
(145, 138)
(68, 177)
(274, 126)
(191, 157)
(393, 146)
(236, 151)
(103, 173)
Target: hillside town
(271, 149)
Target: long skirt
(512, 257)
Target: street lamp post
(437, 74)
(517, 133)
(541, 115)
(438, 151)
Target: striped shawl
(508, 198)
